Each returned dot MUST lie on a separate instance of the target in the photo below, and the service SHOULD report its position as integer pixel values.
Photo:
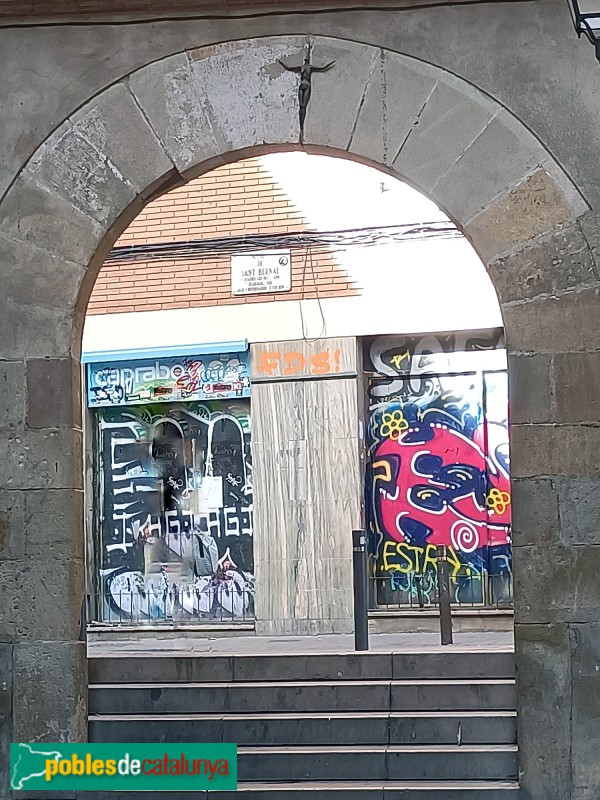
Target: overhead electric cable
(318, 241)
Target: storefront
(171, 480)
(438, 470)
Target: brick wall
(233, 200)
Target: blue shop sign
(168, 379)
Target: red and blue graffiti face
(434, 485)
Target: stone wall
(501, 134)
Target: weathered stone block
(577, 382)
(556, 583)
(493, 164)
(50, 692)
(585, 671)
(50, 518)
(34, 276)
(166, 92)
(589, 223)
(114, 125)
(269, 113)
(12, 394)
(53, 393)
(39, 215)
(41, 603)
(30, 331)
(559, 323)
(531, 389)
(396, 92)
(337, 95)
(69, 165)
(6, 679)
(579, 506)
(538, 450)
(534, 506)
(555, 262)
(543, 710)
(45, 459)
(12, 525)
(448, 121)
(537, 205)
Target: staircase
(382, 726)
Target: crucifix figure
(305, 87)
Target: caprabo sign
(123, 767)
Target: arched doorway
(383, 311)
(178, 117)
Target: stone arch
(177, 117)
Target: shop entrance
(438, 469)
(172, 488)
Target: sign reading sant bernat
(261, 273)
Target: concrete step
(322, 728)
(313, 667)
(373, 790)
(304, 696)
(339, 790)
(370, 763)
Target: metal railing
(219, 603)
(419, 591)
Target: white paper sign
(261, 273)
(210, 493)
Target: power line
(318, 242)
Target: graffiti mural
(438, 473)
(176, 511)
(203, 377)
(412, 362)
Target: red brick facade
(233, 200)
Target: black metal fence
(216, 603)
(412, 590)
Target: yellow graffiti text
(404, 557)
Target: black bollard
(361, 601)
(83, 619)
(443, 575)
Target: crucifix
(305, 70)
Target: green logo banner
(123, 767)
